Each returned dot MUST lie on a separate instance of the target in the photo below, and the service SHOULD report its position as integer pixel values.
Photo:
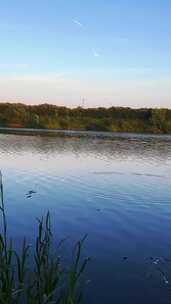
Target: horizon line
(83, 107)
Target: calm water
(118, 191)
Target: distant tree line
(116, 119)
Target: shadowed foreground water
(117, 191)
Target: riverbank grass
(36, 275)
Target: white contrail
(95, 53)
(77, 22)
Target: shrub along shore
(114, 119)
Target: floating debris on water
(28, 196)
(125, 258)
(156, 261)
(107, 172)
(131, 173)
(166, 281)
(158, 265)
(147, 174)
(30, 193)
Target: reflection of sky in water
(118, 191)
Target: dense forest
(93, 119)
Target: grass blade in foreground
(47, 281)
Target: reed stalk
(47, 280)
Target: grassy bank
(114, 119)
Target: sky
(86, 53)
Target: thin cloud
(35, 78)
(14, 65)
(78, 23)
(95, 53)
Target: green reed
(36, 275)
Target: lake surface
(118, 191)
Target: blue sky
(105, 52)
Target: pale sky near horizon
(91, 53)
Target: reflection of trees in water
(116, 148)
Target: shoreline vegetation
(18, 116)
(47, 281)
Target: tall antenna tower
(83, 102)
